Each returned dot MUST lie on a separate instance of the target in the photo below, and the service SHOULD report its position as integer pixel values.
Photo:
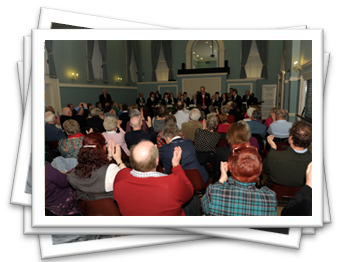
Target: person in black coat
(158, 96)
(237, 99)
(81, 119)
(213, 101)
(104, 98)
(96, 120)
(140, 100)
(166, 100)
(152, 101)
(186, 98)
(223, 100)
(203, 95)
(248, 98)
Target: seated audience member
(280, 128)
(248, 114)
(189, 128)
(255, 100)
(136, 112)
(159, 121)
(70, 146)
(172, 137)
(271, 118)
(60, 198)
(238, 132)
(166, 100)
(181, 115)
(108, 111)
(301, 203)
(169, 120)
(234, 111)
(140, 100)
(93, 177)
(90, 106)
(152, 101)
(237, 195)
(142, 191)
(224, 122)
(111, 125)
(52, 133)
(115, 107)
(81, 119)
(50, 108)
(193, 101)
(98, 105)
(206, 140)
(72, 108)
(96, 121)
(186, 99)
(137, 134)
(256, 125)
(211, 112)
(202, 116)
(248, 98)
(213, 101)
(158, 96)
(124, 116)
(288, 167)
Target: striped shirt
(234, 198)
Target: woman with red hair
(238, 195)
(93, 177)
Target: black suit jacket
(214, 103)
(249, 101)
(207, 99)
(163, 102)
(187, 101)
(138, 100)
(81, 119)
(102, 99)
(96, 122)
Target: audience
(238, 195)
(142, 191)
(223, 100)
(169, 120)
(124, 116)
(271, 118)
(189, 128)
(288, 167)
(111, 125)
(52, 133)
(96, 121)
(166, 100)
(280, 128)
(224, 122)
(137, 134)
(186, 99)
(108, 111)
(159, 121)
(81, 119)
(181, 115)
(69, 147)
(140, 100)
(235, 112)
(152, 101)
(136, 112)
(93, 177)
(60, 198)
(256, 125)
(172, 137)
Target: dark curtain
(245, 49)
(102, 48)
(167, 50)
(137, 58)
(155, 50)
(129, 44)
(90, 48)
(49, 48)
(263, 50)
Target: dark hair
(124, 106)
(256, 114)
(301, 133)
(107, 109)
(170, 119)
(217, 93)
(245, 164)
(185, 93)
(91, 158)
(180, 105)
(97, 104)
(237, 133)
(151, 93)
(162, 111)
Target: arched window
(162, 71)
(254, 65)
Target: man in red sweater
(143, 191)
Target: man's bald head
(136, 122)
(281, 114)
(66, 111)
(144, 156)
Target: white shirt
(181, 117)
(111, 172)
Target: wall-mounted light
(118, 80)
(296, 67)
(74, 76)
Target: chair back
(222, 142)
(54, 145)
(100, 207)
(260, 141)
(231, 119)
(283, 193)
(197, 181)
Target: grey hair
(247, 127)
(212, 122)
(135, 112)
(110, 123)
(194, 114)
(250, 112)
(170, 131)
(256, 114)
(49, 117)
(135, 123)
(281, 113)
(95, 111)
(211, 109)
(225, 109)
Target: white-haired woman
(111, 125)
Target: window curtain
(137, 58)
(129, 44)
(262, 46)
(102, 48)
(49, 48)
(90, 72)
(245, 49)
(155, 45)
(167, 50)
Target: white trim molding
(294, 78)
(175, 95)
(96, 86)
(240, 84)
(207, 74)
(307, 65)
(244, 80)
(157, 82)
